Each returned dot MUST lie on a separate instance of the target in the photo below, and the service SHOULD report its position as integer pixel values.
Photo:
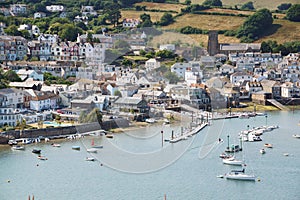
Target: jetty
(189, 133)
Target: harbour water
(137, 165)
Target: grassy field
(286, 31)
(282, 30)
(155, 16)
(207, 22)
(162, 6)
(188, 40)
(236, 12)
(270, 4)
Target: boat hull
(241, 177)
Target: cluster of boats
(253, 135)
(228, 157)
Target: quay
(189, 133)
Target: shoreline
(137, 125)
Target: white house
(86, 73)
(169, 47)
(125, 77)
(32, 29)
(13, 97)
(55, 8)
(88, 10)
(94, 54)
(240, 77)
(227, 69)
(131, 23)
(43, 100)
(253, 87)
(48, 38)
(8, 116)
(289, 90)
(26, 74)
(151, 64)
(181, 68)
(193, 76)
(39, 15)
(18, 9)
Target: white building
(18, 9)
(169, 47)
(27, 74)
(48, 38)
(289, 90)
(43, 100)
(8, 116)
(55, 8)
(130, 23)
(86, 73)
(14, 97)
(181, 68)
(32, 29)
(240, 77)
(193, 77)
(151, 64)
(39, 15)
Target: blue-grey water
(136, 166)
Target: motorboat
(150, 120)
(90, 159)
(18, 147)
(37, 151)
(244, 116)
(92, 150)
(12, 142)
(76, 148)
(296, 136)
(42, 157)
(55, 145)
(225, 155)
(268, 145)
(110, 136)
(286, 154)
(98, 147)
(240, 175)
(232, 161)
(262, 151)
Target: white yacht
(240, 175)
(232, 161)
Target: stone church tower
(213, 43)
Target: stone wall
(60, 131)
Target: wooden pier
(189, 133)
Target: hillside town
(223, 75)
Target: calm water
(136, 166)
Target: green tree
(99, 116)
(69, 32)
(265, 47)
(118, 93)
(293, 13)
(172, 77)
(126, 62)
(12, 30)
(165, 54)
(12, 76)
(187, 2)
(166, 19)
(284, 6)
(212, 3)
(248, 6)
(255, 25)
(3, 81)
(112, 9)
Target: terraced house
(12, 48)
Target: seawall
(58, 131)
